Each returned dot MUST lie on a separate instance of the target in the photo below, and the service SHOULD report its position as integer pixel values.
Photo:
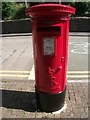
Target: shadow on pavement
(19, 100)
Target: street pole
(59, 1)
(26, 4)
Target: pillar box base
(50, 102)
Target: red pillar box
(50, 29)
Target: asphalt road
(17, 53)
(78, 53)
(17, 56)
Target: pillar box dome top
(50, 10)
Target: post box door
(50, 59)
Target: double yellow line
(78, 74)
(25, 74)
(14, 73)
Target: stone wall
(80, 24)
(77, 24)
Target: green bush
(11, 10)
(0, 11)
(87, 13)
(8, 10)
(20, 12)
(81, 8)
(15, 10)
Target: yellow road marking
(13, 71)
(78, 76)
(77, 72)
(24, 76)
(13, 75)
(18, 71)
(77, 81)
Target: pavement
(18, 99)
(28, 34)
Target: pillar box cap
(50, 10)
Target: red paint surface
(50, 70)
